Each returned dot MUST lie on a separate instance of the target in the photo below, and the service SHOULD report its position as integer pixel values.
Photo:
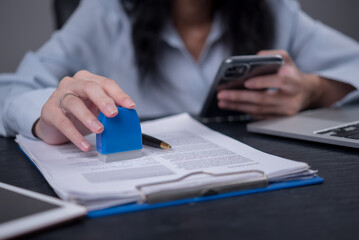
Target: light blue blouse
(97, 38)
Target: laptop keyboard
(350, 130)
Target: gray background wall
(26, 24)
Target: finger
(66, 127)
(120, 97)
(285, 55)
(91, 90)
(78, 108)
(273, 81)
(109, 86)
(247, 96)
(92, 107)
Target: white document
(81, 177)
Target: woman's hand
(289, 91)
(82, 97)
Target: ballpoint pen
(154, 142)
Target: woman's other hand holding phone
(288, 92)
(71, 111)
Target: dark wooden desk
(326, 211)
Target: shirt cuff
(350, 98)
(24, 109)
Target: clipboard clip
(220, 183)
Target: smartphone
(232, 74)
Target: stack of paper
(81, 177)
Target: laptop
(338, 126)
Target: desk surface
(326, 211)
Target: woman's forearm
(325, 92)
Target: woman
(163, 55)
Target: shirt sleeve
(315, 47)
(80, 44)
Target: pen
(154, 142)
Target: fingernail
(129, 103)
(96, 125)
(85, 145)
(111, 109)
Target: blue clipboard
(133, 207)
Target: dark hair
(248, 25)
